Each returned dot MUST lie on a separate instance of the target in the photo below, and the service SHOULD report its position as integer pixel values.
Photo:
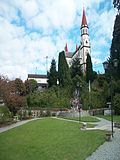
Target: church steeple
(84, 25)
(66, 48)
(84, 20)
(83, 49)
(85, 42)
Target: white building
(84, 47)
(41, 79)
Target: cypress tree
(63, 70)
(89, 69)
(115, 46)
(52, 75)
(116, 4)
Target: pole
(111, 104)
(46, 64)
(89, 95)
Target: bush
(5, 115)
(51, 98)
(116, 101)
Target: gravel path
(109, 150)
(103, 124)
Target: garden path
(101, 125)
(109, 150)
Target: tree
(12, 96)
(89, 69)
(20, 87)
(116, 101)
(76, 68)
(15, 102)
(3, 82)
(52, 75)
(115, 46)
(116, 4)
(63, 70)
(31, 85)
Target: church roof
(77, 48)
(37, 76)
(68, 54)
(84, 20)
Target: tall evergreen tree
(52, 75)
(76, 68)
(89, 69)
(115, 46)
(116, 4)
(63, 70)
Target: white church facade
(84, 47)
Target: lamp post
(58, 91)
(78, 101)
(89, 95)
(109, 70)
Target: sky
(31, 30)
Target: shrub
(5, 115)
(116, 101)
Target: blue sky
(30, 30)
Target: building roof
(84, 20)
(77, 48)
(37, 76)
(68, 54)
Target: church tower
(83, 49)
(85, 42)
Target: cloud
(30, 30)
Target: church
(80, 52)
(83, 49)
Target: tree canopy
(76, 68)
(13, 95)
(63, 70)
(89, 69)
(115, 46)
(52, 74)
(116, 4)
(31, 85)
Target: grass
(83, 119)
(115, 118)
(49, 139)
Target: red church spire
(66, 48)
(84, 20)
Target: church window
(83, 31)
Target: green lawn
(83, 119)
(49, 139)
(115, 118)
